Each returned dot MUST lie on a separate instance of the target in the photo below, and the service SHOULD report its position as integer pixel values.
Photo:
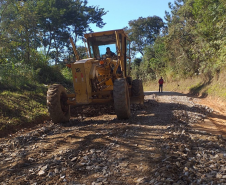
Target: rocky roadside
(157, 145)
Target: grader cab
(102, 78)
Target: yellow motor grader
(102, 78)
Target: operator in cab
(109, 53)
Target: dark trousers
(160, 87)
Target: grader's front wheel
(121, 99)
(57, 105)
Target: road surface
(172, 139)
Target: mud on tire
(57, 105)
(121, 99)
(138, 91)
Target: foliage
(194, 43)
(137, 61)
(144, 31)
(140, 70)
(50, 74)
(67, 74)
(15, 76)
(19, 34)
(20, 108)
(26, 77)
(23, 91)
(82, 52)
(201, 34)
(155, 56)
(60, 19)
(26, 26)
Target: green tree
(60, 19)
(28, 25)
(137, 61)
(181, 38)
(210, 27)
(196, 38)
(155, 57)
(194, 43)
(19, 33)
(82, 52)
(143, 32)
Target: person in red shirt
(161, 84)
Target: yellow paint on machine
(110, 83)
(81, 80)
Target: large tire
(57, 105)
(137, 91)
(121, 99)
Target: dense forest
(35, 33)
(191, 43)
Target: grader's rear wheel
(57, 105)
(121, 98)
(138, 91)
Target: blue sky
(120, 12)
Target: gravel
(158, 145)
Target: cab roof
(106, 33)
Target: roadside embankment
(214, 89)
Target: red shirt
(160, 81)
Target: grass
(23, 98)
(21, 107)
(216, 88)
(183, 86)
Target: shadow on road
(157, 139)
(165, 93)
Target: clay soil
(171, 139)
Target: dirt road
(172, 139)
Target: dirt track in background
(172, 139)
